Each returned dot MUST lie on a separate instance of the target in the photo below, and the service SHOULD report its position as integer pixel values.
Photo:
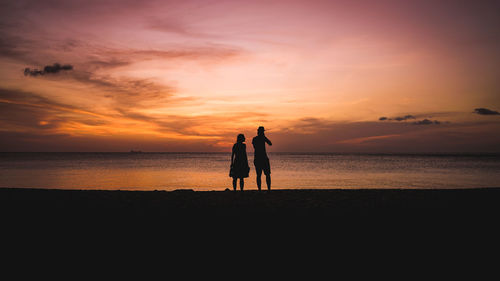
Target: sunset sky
(102, 75)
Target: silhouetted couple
(239, 161)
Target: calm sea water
(209, 171)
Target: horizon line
(289, 152)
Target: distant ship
(135, 151)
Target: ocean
(209, 171)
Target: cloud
(485, 111)
(388, 137)
(14, 47)
(38, 115)
(427, 122)
(171, 25)
(308, 125)
(406, 117)
(209, 52)
(30, 111)
(367, 139)
(127, 92)
(206, 126)
(49, 69)
(403, 118)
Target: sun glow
(183, 76)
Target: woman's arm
(232, 157)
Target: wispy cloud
(175, 26)
(37, 115)
(362, 140)
(126, 91)
(29, 112)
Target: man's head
(260, 130)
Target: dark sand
(355, 223)
(180, 204)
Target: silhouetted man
(260, 160)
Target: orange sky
(191, 75)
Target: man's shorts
(262, 164)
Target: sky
(189, 76)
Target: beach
(116, 205)
(201, 225)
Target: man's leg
(242, 183)
(268, 181)
(267, 171)
(234, 183)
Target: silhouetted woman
(239, 162)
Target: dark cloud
(404, 118)
(427, 122)
(423, 122)
(49, 69)
(418, 122)
(485, 111)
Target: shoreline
(253, 189)
(221, 218)
(84, 203)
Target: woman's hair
(240, 138)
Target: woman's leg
(234, 183)
(258, 172)
(242, 183)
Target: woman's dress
(240, 168)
